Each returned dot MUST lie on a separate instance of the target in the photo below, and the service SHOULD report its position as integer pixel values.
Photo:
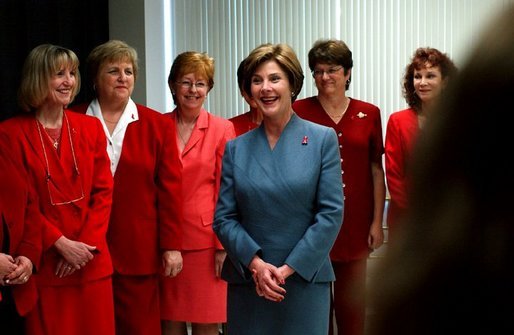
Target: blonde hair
(110, 51)
(40, 65)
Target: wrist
(254, 263)
(59, 242)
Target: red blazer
(85, 220)
(243, 123)
(146, 211)
(201, 161)
(19, 211)
(402, 131)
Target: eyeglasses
(50, 184)
(200, 85)
(331, 71)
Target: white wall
(382, 35)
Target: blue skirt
(304, 310)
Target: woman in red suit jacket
(63, 156)
(425, 77)
(144, 232)
(251, 119)
(20, 244)
(198, 295)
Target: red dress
(402, 131)
(82, 302)
(360, 143)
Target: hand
(172, 263)
(267, 279)
(376, 236)
(7, 266)
(64, 268)
(76, 253)
(219, 258)
(22, 273)
(286, 271)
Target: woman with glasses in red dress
(63, 155)
(359, 131)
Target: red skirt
(83, 309)
(136, 304)
(195, 294)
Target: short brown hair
(285, 57)
(334, 52)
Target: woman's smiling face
(271, 89)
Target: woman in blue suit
(280, 207)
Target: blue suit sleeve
(311, 252)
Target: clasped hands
(269, 278)
(14, 270)
(75, 255)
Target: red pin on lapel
(305, 140)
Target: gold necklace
(111, 121)
(55, 141)
(48, 176)
(182, 136)
(340, 115)
(188, 128)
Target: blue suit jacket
(284, 204)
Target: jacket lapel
(201, 125)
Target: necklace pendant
(56, 144)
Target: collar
(129, 115)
